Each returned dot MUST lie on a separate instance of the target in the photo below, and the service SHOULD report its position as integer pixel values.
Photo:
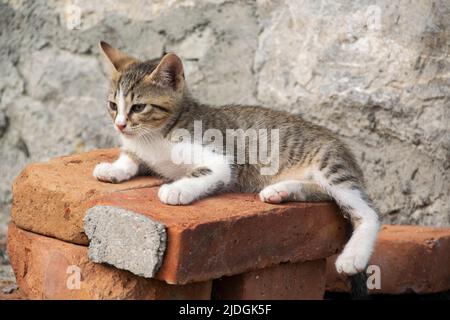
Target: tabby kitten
(149, 101)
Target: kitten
(149, 102)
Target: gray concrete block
(125, 239)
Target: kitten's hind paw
(175, 195)
(107, 172)
(270, 194)
(351, 263)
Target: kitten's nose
(121, 127)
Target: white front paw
(109, 173)
(174, 194)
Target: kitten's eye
(159, 107)
(135, 108)
(112, 106)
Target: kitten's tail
(358, 283)
(352, 199)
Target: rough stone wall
(375, 72)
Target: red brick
(49, 198)
(235, 233)
(289, 281)
(412, 259)
(221, 235)
(41, 264)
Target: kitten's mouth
(133, 132)
(127, 133)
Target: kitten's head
(144, 95)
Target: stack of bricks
(72, 237)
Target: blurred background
(377, 73)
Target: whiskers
(144, 133)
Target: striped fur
(314, 164)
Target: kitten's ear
(168, 73)
(117, 59)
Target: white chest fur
(157, 153)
